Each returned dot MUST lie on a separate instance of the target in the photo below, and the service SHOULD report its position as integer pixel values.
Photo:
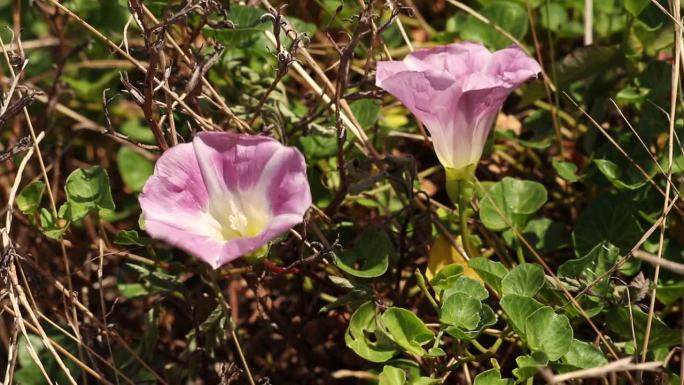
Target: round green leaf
(407, 330)
(583, 355)
(461, 310)
(515, 199)
(87, 190)
(566, 170)
(369, 258)
(491, 377)
(492, 272)
(392, 376)
(608, 218)
(548, 332)
(518, 308)
(362, 325)
(134, 168)
(614, 174)
(524, 280)
(635, 7)
(466, 285)
(366, 111)
(28, 200)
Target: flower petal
(173, 202)
(456, 59)
(283, 180)
(513, 66)
(423, 93)
(232, 161)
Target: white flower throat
(237, 217)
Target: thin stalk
(423, 287)
(463, 202)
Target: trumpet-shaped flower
(225, 195)
(457, 91)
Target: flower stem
(423, 287)
(460, 188)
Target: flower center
(238, 218)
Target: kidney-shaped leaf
(392, 376)
(407, 330)
(362, 325)
(491, 377)
(509, 202)
(518, 308)
(86, 190)
(549, 333)
(492, 272)
(369, 258)
(524, 280)
(461, 310)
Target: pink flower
(457, 91)
(225, 195)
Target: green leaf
(370, 256)
(613, 173)
(491, 377)
(137, 131)
(610, 219)
(587, 269)
(436, 352)
(130, 238)
(528, 365)
(392, 376)
(515, 199)
(487, 318)
(492, 272)
(446, 277)
(548, 332)
(583, 355)
(518, 308)
(134, 168)
(28, 200)
(213, 329)
(635, 7)
(316, 146)
(507, 15)
(407, 330)
(159, 281)
(30, 374)
(88, 190)
(466, 285)
(620, 321)
(553, 16)
(424, 381)
(131, 290)
(669, 292)
(566, 170)
(525, 280)
(247, 26)
(366, 111)
(461, 310)
(546, 235)
(362, 325)
(50, 225)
